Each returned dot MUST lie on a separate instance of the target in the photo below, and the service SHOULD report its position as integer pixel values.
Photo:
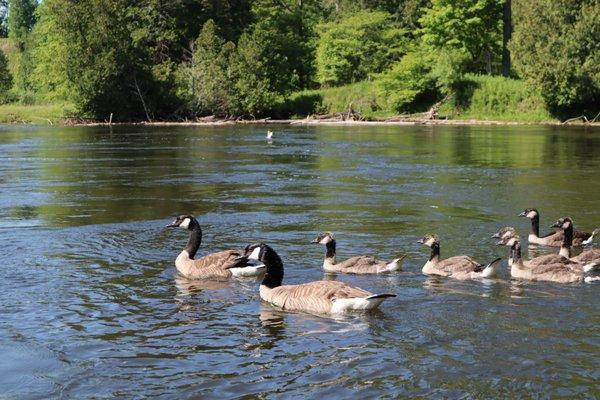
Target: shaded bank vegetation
(174, 60)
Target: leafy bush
(5, 77)
(352, 48)
(407, 81)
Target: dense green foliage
(357, 45)
(471, 26)
(556, 45)
(184, 59)
(5, 77)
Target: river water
(91, 305)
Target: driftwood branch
(141, 96)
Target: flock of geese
(334, 297)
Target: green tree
(208, 77)
(556, 48)
(254, 92)
(472, 26)
(95, 55)
(21, 18)
(284, 40)
(357, 45)
(5, 77)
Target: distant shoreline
(334, 122)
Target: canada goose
(458, 267)
(589, 259)
(354, 265)
(219, 266)
(506, 233)
(318, 297)
(553, 272)
(553, 239)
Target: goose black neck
(568, 239)
(195, 238)
(516, 252)
(330, 249)
(435, 251)
(274, 275)
(535, 225)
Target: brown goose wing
(459, 264)
(579, 237)
(587, 256)
(550, 259)
(316, 297)
(214, 265)
(360, 265)
(554, 239)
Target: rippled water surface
(91, 305)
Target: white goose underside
(250, 271)
(343, 306)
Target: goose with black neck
(555, 238)
(457, 267)
(552, 272)
(354, 265)
(318, 297)
(221, 265)
(589, 259)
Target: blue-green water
(91, 306)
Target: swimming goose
(458, 267)
(553, 272)
(318, 297)
(589, 259)
(354, 265)
(217, 266)
(554, 239)
(506, 233)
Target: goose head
(324, 238)
(185, 221)
(563, 223)
(530, 213)
(506, 232)
(255, 251)
(429, 240)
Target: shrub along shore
(480, 99)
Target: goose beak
(495, 236)
(500, 243)
(522, 214)
(173, 224)
(555, 225)
(315, 241)
(420, 241)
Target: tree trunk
(506, 34)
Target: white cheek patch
(254, 254)
(429, 242)
(531, 214)
(325, 240)
(185, 224)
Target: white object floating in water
(269, 135)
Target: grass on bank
(34, 113)
(478, 97)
